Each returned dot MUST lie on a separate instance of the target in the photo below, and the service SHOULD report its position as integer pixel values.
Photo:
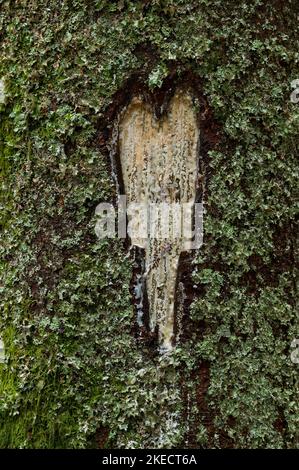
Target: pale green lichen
(73, 366)
(2, 91)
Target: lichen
(74, 370)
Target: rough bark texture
(79, 373)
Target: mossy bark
(75, 374)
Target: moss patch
(75, 376)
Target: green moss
(74, 367)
